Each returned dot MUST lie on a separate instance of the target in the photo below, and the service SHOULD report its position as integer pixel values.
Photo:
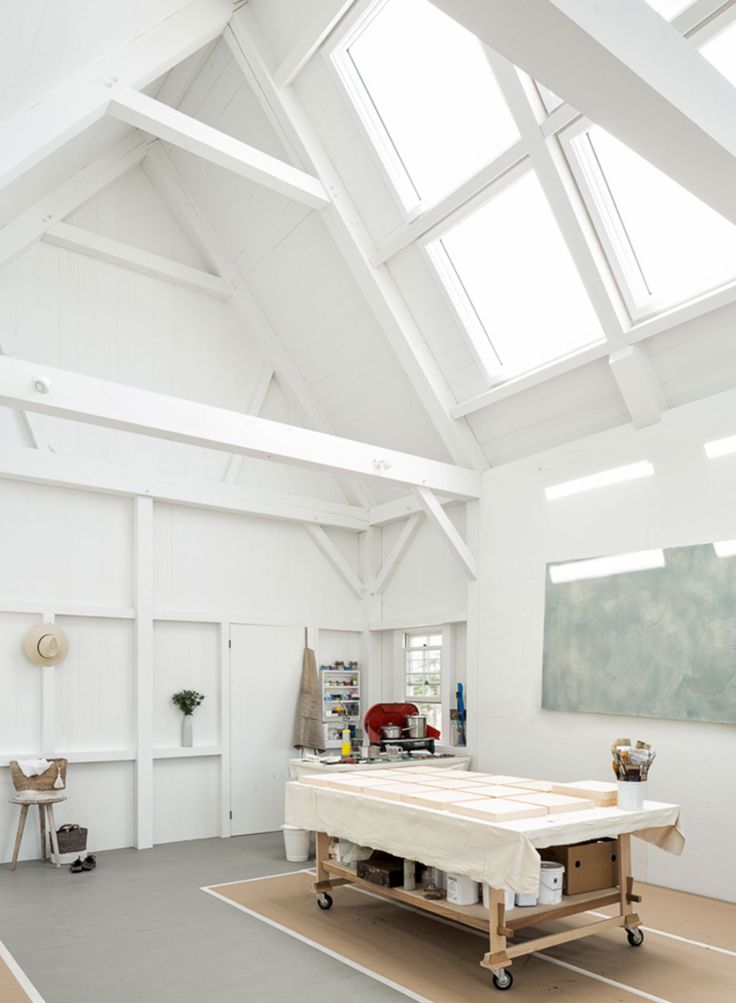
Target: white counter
(302, 767)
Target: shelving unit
(341, 701)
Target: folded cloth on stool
(33, 767)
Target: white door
(265, 670)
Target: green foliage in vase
(187, 701)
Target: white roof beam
(450, 536)
(217, 147)
(398, 509)
(631, 72)
(92, 475)
(30, 137)
(336, 559)
(129, 409)
(356, 246)
(18, 234)
(640, 388)
(308, 44)
(166, 179)
(94, 245)
(256, 405)
(29, 426)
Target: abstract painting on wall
(659, 642)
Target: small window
(423, 675)
(666, 244)
(511, 276)
(669, 8)
(721, 52)
(427, 96)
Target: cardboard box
(588, 866)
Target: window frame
(407, 648)
(640, 303)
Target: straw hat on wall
(46, 644)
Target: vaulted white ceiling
(373, 352)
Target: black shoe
(77, 867)
(89, 863)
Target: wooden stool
(45, 801)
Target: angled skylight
(602, 567)
(666, 245)
(721, 52)
(669, 8)
(511, 277)
(427, 96)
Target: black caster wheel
(502, 979)
(635, 937)
(324, 901)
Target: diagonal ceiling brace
(457, 546)
(396, 553)
(335, 558)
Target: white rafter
(307, 45)
(455, 543)
(76, 473)
(129, 409)
(30, 137)
(18, 234)
(94, 245)
(167, 181)
(173, 126)
(336, 559)
(640, 388)
(631, 72)
(352, 240)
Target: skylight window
(669, 8)
(666, 245)
(427, 96)
(511, 277)
(721, 52)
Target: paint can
(551, 877)
(462, 891)
(509, 898)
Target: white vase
(187, 740)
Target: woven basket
(71, 838)
(45, 782)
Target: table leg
(19, 835)
(52, 831)
(322, 853)
(498, 957)
(625, 881)
(42, 827)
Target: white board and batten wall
(690, 500)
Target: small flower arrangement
(187, 701)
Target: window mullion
(583, 246)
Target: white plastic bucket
(631, 794)
(509, 898)
(551, 877)
(462, 891)
(296, 843)
(522, 900)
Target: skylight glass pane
(668, 8)
(513, 264)
(428, 86)
(681, 246)
(721, 51)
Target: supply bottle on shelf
(347, 746)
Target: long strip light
(616, 475)
(720, 447)
(725, 548)
(602, 567)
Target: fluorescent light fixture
(616, 475)
(725, 548)
(720, 447)
(602, 567)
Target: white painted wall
(690, 500)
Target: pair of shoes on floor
(88, 864)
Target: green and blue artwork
(654, 643)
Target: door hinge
(231, 816)
(229, 643)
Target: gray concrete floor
(138, 930)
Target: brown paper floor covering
(10, 990)
(440, 962)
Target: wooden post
(19, 834)
(625, 882)
(498, 955)
(321, 854)
(42, 828)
